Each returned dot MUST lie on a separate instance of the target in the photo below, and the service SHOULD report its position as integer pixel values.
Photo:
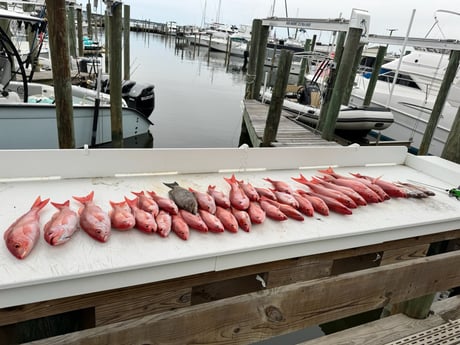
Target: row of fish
(212, 211)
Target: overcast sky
(385, 14)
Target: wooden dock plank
(289, 133)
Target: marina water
(197, 97)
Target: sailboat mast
(218, 13)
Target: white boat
(28, 119)
(413, 98)
(352, 122)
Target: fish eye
(17, 245)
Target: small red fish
(238, 198)
(214, 224)
(318, 204)
(271, 210)
(256, 213)
(288, 210)
(330, 193)
(121, 217)
(22, 236)
(62, 225)
(333, 204)
(305, 205)
(286, 198)
(145, 221)
(164, 223)
(227, 218)
(355, 196)
(249, 190)
(220, 198)
(194, 221)
(147, 203)
(243, 219)
(280, 186)
(180, 227)
(268, 193)
(93, 220)
(205, 201)
(164, 203)
(390, 188)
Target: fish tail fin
(171, 185)
(60, 206)
(268, 179)
(138, 193)
(151, 193)
(231, 180)
(39, 203)
(327, 171)
(300, 179)
(117, 203)
(315, 180)
(132, 202)
(211, 187)
(84, 199)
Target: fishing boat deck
(289, 133)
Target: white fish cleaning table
(84, 266)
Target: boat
(352, 121)
(28, 114)
(414, 95)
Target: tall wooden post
(108, 23)
(304, 63)
(375, 75)
(80, 32)
(276, 102)
(343, 75)
(440, 100)
(451, 149)
(261, 51)
(126, 44)
(89, 20)
(72, 31)
(252, 63)
(354, 70)
(60, 61)
(115, 76)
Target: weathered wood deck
(289, 133)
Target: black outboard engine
(309, 94)
(139, 96)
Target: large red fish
(62, 225)
(318, 204)
(390, 188)
(194, 221)
(266, 192)
(22, 236)
(243, 219)
(238, 197)
(204, 200)
(145, 221)
(271, 210)
(93, 220)
(288, 210)
(227, 218)
(249, 190)
(355, 196)
(256, 213)
(305, 205)
(333, 204)
(164, 203)
(330, 193)
(147, 203)
(286, 198)
(220, 198)
(214, 224)
(180, 227)
(369, 193)
(164, 223)
(121, 216)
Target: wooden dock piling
(126, 43)
(375, 75)
(451, 150)
(252, 63)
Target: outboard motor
(139, 96)
(309, 95)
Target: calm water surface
(198, 99)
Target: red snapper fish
(180, 227)
(62, 225)
(318, 204)
(205, 201)
(305, 206)
(220, 198)
(145, 221)
(164, 223)
(288, 210)
(249, 190)
(93, 220)
(280, 185)
(22, 236)
(271, 210)
(164, 203)
(147, 203)
(227, 218)
(333, 204)
(355, 196)
(256, 213)
(243, 219)
(266, 192)
(121, 216)
(238, 198)
(390, 188)
(213, 223)
(194, 221)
